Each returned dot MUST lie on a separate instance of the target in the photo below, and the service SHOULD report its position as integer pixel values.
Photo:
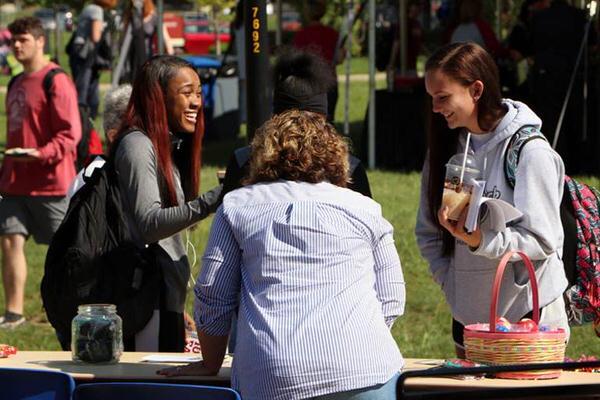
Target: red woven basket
(487, 346)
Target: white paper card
(165, 358)
(499, 211)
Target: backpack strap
(46, 83)
(49, 79)
(242, 156)
(512, 154)
(12, 81)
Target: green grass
(358, 65)
(424, 329)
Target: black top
(239, 162)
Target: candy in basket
(501, 343)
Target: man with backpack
(43, 130)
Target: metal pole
(57, 34)
(403, 31)
(498, 24)
(278, 10)
(117, 72)
(257, 65)
(584, 126)
(372, 84)
(160, 37)
(348, 58)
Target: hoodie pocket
(465, 261)
(473, 293)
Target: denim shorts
(384, 391)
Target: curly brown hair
(299, 146)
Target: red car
(200, 36)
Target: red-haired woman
(157, 158)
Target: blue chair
(151, 391)
(33, 384)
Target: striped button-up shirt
(317, 278)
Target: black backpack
(87, 125)
(92, 259)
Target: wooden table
(129, 368)
(132, 368)
(570, 383)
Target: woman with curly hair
(313, 269)
(301, 81)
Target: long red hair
(147, 112)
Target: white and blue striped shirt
(318, 281)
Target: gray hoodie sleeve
(537, 194)
(428, 235)
(135, 162)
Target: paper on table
(500, 212)
(165, 358)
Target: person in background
(462, 80)
(39, 164)
(142, 17)
(518, 44)
(82, 51)
(4, 50)
(115, 104)
(313, 269)
(321, 40)
(301, 79)
(414, 43)
(157, 160)
(556, 36)
(472, 27)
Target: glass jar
(97, 334)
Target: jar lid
(97, 308)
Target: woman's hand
(192, 369)
(457, 229)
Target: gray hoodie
(466, 277)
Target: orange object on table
(7, 350)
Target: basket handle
(498, 280)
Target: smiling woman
(462, 80)
(184, 100)
(157, 159)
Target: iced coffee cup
(457, 193)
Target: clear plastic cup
(456, 194)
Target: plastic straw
(464, 163)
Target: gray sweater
(466, 278)
(136, 166)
